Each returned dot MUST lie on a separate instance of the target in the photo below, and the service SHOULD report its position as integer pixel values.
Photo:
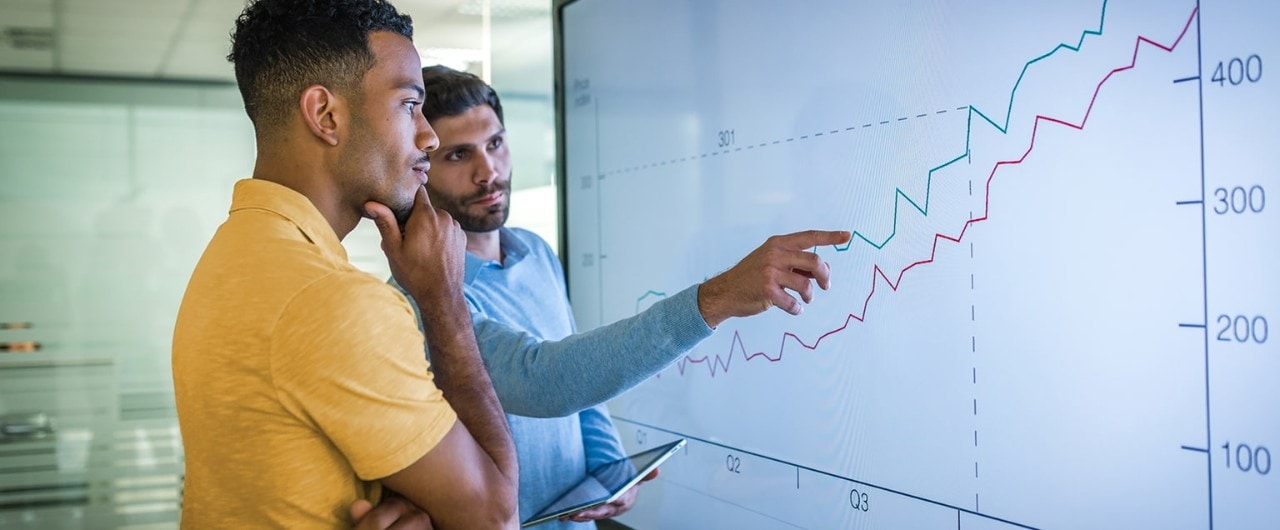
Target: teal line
(968, 139)
(899, 193)
(1076, 48)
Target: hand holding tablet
(606, 483)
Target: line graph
(899, 194)
(1088, 313)
(721, 362)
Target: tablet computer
(606, 483)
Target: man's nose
(426, 139)
(486, 169)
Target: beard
(491, 219)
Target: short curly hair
(280, 47)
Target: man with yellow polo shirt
(300, 382)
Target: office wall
(110, 192)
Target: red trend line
(722, 363)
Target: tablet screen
(606, 482)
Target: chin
(401, 208)
(482, 225)
(402, 215)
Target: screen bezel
(558, 82)
(663, 452)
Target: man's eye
(496, 143)
(413, 105)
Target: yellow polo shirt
(300, 380)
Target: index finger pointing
(816, 238)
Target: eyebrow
(444, 148)
(410, 85)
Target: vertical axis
(595, 105)
(1204, 262)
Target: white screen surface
(1059, 305)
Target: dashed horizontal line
(774, 142)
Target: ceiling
(188, 39)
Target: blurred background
(121, 136)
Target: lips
(490, 199)
(421, 171)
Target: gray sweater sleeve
(557, 378)
(554, 378)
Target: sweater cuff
(683, 322)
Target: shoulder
(528, 237)
(349, 308)
(349, 291)
(537, 246)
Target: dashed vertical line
(973, 345)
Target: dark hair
(450, 93)
(280, 47)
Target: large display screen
(1060, 307)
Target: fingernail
(372, 214)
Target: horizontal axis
(821, 472)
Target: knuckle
(770, 276)
(815, 261)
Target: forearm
(532, 376)
(461, 377)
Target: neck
(485, 245)
(305, 178)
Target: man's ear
(322, 111)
